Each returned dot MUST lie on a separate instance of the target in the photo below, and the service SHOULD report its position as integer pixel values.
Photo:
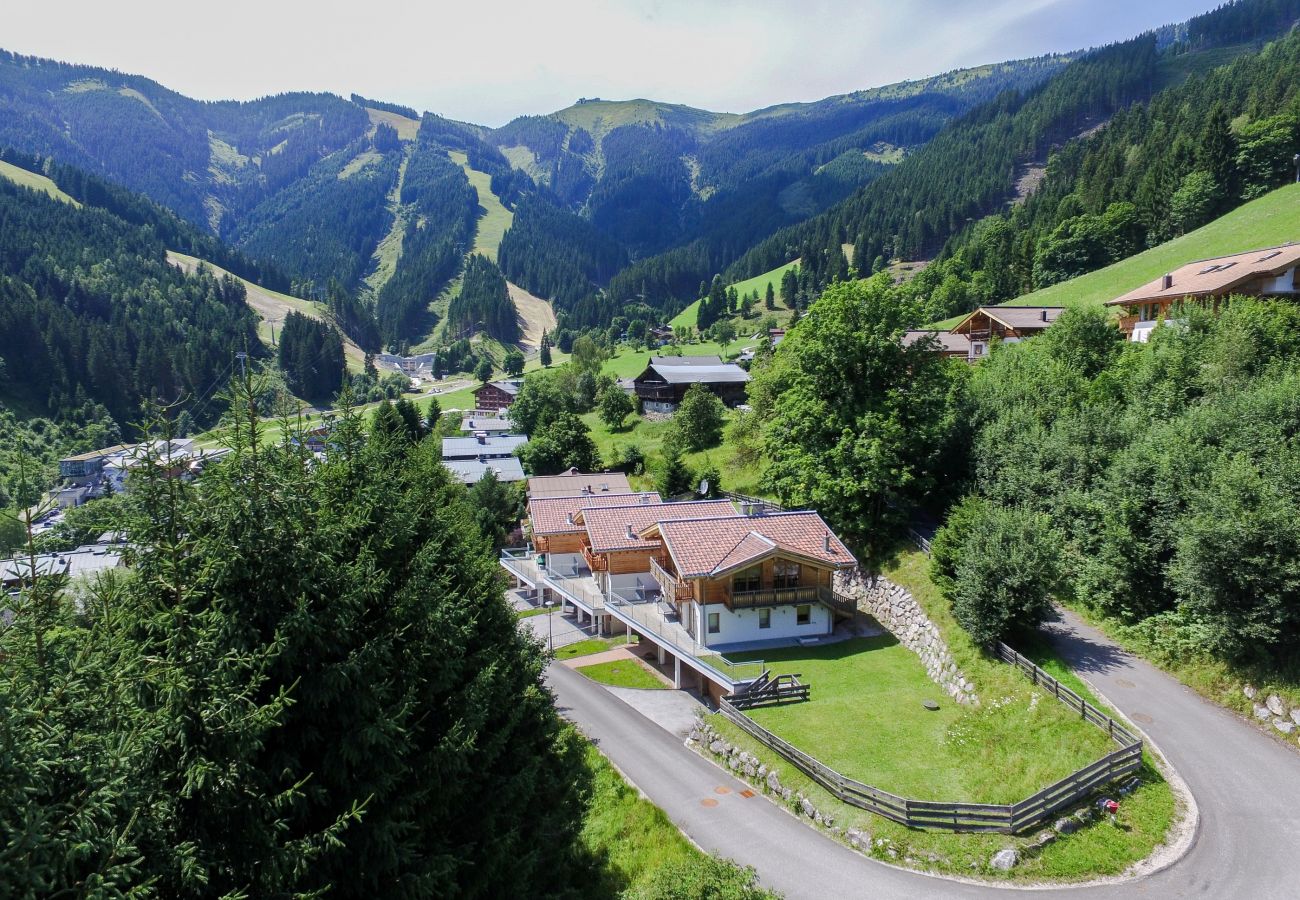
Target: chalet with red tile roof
(1271, 272)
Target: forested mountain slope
(92, 312)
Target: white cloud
(487, 62)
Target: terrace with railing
(674, 591)
(778, 596)
(522, 563)
(659, 621)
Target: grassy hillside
(407, 128)
(496, 219)
(1272, 219)
(601, 116)
(758, 283)
(34, 181)
(272, 308)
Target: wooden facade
(495, 395)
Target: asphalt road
(1246, 785)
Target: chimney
(481, 438)
(569, 518)
(631, 535)
(1044, 315)
(1166, 282)
(827, 542)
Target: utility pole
(243, 362)
(1296, 160)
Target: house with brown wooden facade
(497, 395)
(1003, 323)
(1270, 272)
(666, 379)
(697, 580)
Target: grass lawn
(628, 673)
(690, 315)
(590, 646)
(866, 721)
(628, 838)
(985, 742)
(650, 435)
(529, 613)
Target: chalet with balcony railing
(1271, 272)
(746, 579)
(615, 548)
(1003, 323)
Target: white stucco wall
(741, 626)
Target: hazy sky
(487, 62)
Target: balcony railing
(595, 561)
(674, 591)
(779, 597)
(649, 618)
(522, 562)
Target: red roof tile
(552, 515)
(607, 527)
(707, 547)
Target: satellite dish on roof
(704, 487)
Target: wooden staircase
(768, 691)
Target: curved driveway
(1246, 784)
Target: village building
(576, 484)
(497, 395)
(953, 346)
(695, 580)
(482, 446)
(1270, 272)
(1005, 323)
(480, 424)
(471, 471)
(666, 379)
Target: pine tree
(769, 298)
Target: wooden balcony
(779, 597)
(1126, 323)
(595, 561)
(674, 591)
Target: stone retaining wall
(894, 608)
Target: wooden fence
(768, 691)
(1011, 818)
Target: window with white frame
(803, 614)
(715, 623)
(765, 618)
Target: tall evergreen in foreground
(309, 682)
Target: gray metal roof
(470, 471)
(472, 447)
(690, 369)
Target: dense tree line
(1164, 475)
(558, 254)
(326, 225)
(169, 147)
(968, 169)
(311, 357)
(483, 303)
(137, 209)
(1156, 171)
(396, 108)
(92, 311)
(850, 421)
(443, 209)
(332, 639)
